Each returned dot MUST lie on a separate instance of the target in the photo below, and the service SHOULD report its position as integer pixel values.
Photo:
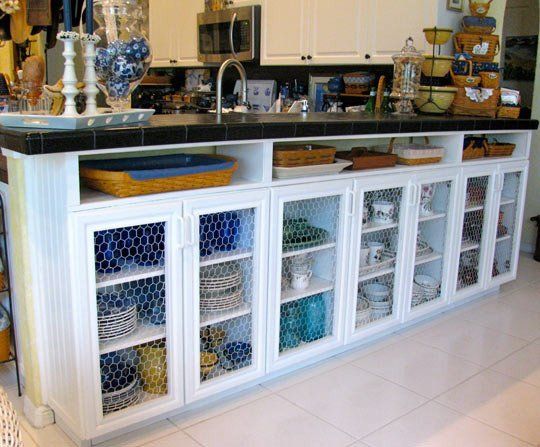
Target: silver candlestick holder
(89, 42)
(69, 79)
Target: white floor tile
(353, 400)
(143, 435)
(305, 373)
(27, 440)
(500, 401)
(51, 435)
(510, 320)
(470, 341)
(179, 439)
(527, 298)
(355, 354)
(209, 411)
(433, 425)
(271, 421)
(8, 377)
(420, 368)
(523, 364)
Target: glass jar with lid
(407, 71)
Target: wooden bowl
(442, 97)
(441, 65)
(438, 36)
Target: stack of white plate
(117, 322)
(221, 289)
(417, 295)
(428, 286)
(118, 400)
(363, 311)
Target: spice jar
(407, 71)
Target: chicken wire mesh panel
(375, 299)
(381, 207)
(472, 232)
(305, 321)
(226, 294)
(128, 251)
(308, 271)
(133, 376)
(506, 224)
(430, 242)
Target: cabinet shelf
(471, 208)
(376, 274)
(370, 227)
(130, 272)
(503, 238)
(467, 246)
(144, 333)
(428, 258)
(289, 254)
(432, 217)
(226, 256)
(316, 285)
(507, 201)
(209, 318)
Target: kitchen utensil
(383, 212)
(376, 250)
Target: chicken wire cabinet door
(510, 192)
(134, 349)
(226, 262)
(433, 217)
(477, 197)
(306, 252)
(379, 230)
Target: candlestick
(69, 79)
(89, 42)
(67, 15)
(89, 17)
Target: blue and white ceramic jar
(123, 55)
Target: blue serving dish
(218, 232)
(116, 373)
(237, 354)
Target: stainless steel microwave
(229, 33)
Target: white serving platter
(308, 171)
(15, 119)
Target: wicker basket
(469, 43)
(363, 158)
(358, 83)
(490, 79)
(293, 155)
(5, 344)
(121, 184)
(463, 105)
(479, 8)
(508, 112)
(465, 80)
(496, 149)
(415, 154)
(475, 149)
(3, 282)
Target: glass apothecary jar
(123, 55)
(407, 72)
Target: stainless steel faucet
(243, 78)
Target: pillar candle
(67, 15)
(89, 17)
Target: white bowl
(376, 292)
(426, 282)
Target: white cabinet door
(173, 32)
(391, 22)
(131, 319)
(338, 32)
(433, 215)
(225, 282)
(380, 235)
(510, 194)
(284, 32)
(308, 242)
(161, 33)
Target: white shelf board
(376, 274)
(288, 254)
(130, 272)
(467, 246)
(144, 333)
(208, 318)
(471, 208)
(503, 238)
(370, 227)
(428, 258)
(507, 201)
(316, 285)
(434, 216)
(225, 256)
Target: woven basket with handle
(470, 43)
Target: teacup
(376, 250)
(426, 199)
(383, 212)
(300, 281)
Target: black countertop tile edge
(180, 129)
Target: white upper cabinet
(389, 23)
(337, 32)
(284, 32)
(173, 32)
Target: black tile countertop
(178, 129)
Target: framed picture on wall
(318, 86)
(454, 5)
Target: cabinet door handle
(351, 206)
(367, 56)
(309, 57)
(190, 230)
(181, 233)
(501, 181)
(303, 58)
(413, 194)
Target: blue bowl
(237, 352)
(116, 373)
(218, 232)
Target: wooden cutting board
(20, 30)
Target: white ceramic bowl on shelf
(376, 292)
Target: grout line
(192, 438)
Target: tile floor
(469, 378)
